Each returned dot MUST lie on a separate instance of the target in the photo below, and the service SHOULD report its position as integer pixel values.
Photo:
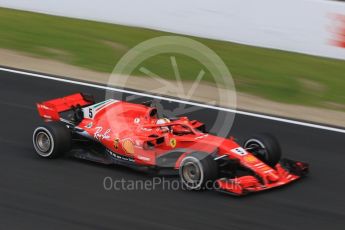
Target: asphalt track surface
(69, 194)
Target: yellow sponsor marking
(173, 142)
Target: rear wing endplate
(51, 109)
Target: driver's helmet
(162, 121)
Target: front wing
(288, 171)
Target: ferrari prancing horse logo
(173, 142)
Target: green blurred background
(272, 74)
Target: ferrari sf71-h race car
(118, 132)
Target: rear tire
(265, 147)
(52, 140)
(198, 170)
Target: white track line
(177, 100)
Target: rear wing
(51, 109)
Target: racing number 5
(90, 113)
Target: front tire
(198, 169)
(265, 147)
(51, 140)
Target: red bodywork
(132, 130)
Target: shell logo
(250, 158)
(128, 146)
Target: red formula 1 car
(118, 132)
